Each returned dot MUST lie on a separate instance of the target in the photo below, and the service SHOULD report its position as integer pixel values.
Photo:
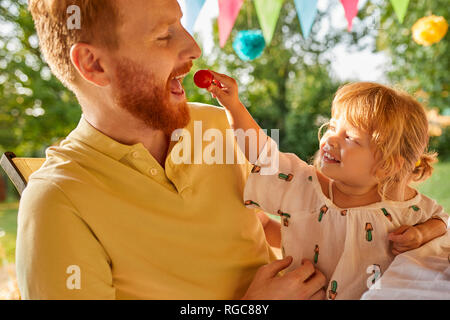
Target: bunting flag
(268, 12)
(228, 12)
(306, 10)
(351, 10)
(400, 7)
(192, 10)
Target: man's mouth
(175, 84)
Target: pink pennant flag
(351, 10)
(228, 12)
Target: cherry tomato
(203, 79)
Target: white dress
(349, 245)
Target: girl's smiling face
(347, 155)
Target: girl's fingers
(215, 91)
(224, 79)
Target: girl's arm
(240, 118)
(408, 238)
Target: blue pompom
(249, 44)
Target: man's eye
(165, 38)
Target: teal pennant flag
(306, 10)
(192, 10)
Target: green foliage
(422, 71)
(8, 230)
(437, 186)
(35, 108)
(417, 67)
(441, 144)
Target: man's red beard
(141, 95)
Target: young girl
(343, 212)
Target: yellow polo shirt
(103, 220)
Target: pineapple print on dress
(286, 177)
(369, 230)
(375, 271)
(250, 202)
(323, 210)
(333, 290)
(256, 169)
(285, 217)
(316, 254)
(387, 214)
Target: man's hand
(303, 283)
(405, 238)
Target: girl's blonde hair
(398, 127)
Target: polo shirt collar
(89, 135)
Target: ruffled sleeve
(428, 209)
(278, 182)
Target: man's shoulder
(210, 116)
(206, 109)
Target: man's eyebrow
(164, 24)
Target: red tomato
(203, 79)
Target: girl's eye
(331, 128)
(352, 139)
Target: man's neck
(125, 129)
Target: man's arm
(57, 255)
(411, 237)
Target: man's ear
(86, 60)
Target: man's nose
(191, 50)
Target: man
(110, 215)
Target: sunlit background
(289, 87)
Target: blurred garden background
(289, 87)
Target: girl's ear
(399, 163)
(377, 170)
(379, 174)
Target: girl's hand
(228, 96)
(405, 238)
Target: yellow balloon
(429, 30)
